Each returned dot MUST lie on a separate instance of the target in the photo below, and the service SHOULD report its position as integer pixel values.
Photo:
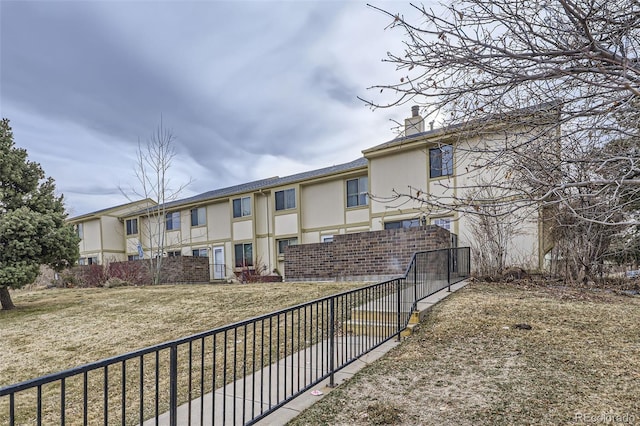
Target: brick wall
(364, 255)
(181, 269)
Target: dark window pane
(239, 253)
(237, 207)
(279, 200)
(248, 254)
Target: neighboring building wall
(389, 178)
(363, 255)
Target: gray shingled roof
(495, 117)
(99, 212)
(264, 183)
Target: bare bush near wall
(492, 232)
(562, 77)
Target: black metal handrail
(238, 373)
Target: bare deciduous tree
(562, 77)
(153, 162)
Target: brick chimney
(414, 124)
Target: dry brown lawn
(469, 365)
(56, 329)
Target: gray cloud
(240, 83)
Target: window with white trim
(286, 242)
(172, 221)
(132, 226)
(201, 252)
(198, 216)
(286, 199)
(327, 238)
(441, 161)
(442, 222)
(244, 254)
(242, 207)
(80, 230)
(399, 224)
(357, 192)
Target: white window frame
(245, 206)
(200, 216)
(443, 222)
(170, 218)
(243, 262)
(289, 242)
(200, 252)
(444, 155)
(128, 228)
(288, 199)
(361, 195)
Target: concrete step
(370, 328)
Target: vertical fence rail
(236, 374)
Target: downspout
(268, 232)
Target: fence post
(449, 269)
(173, 385)
(332, 344)
(398, 307)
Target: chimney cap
(415, 111)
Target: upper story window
(132, 226)
(198, 216)
(357, 192)
(242, 207)
(80, 230)
(399, 224)
(286, 199)
(172, 221)
(441, 161)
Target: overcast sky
(250, 89)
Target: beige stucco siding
(112, 233)
(357, 215)
(286, 224)
(243, 230)
(91, 238)
(310, 237)
(198, 234)
(323, 204)
(397, 171)
(262, 213)
(219, 221)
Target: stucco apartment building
(249, 225)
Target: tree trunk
(5, 299)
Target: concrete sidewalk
(289, 411)
(239, 402)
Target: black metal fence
(239, 373)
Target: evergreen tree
(33, 227)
